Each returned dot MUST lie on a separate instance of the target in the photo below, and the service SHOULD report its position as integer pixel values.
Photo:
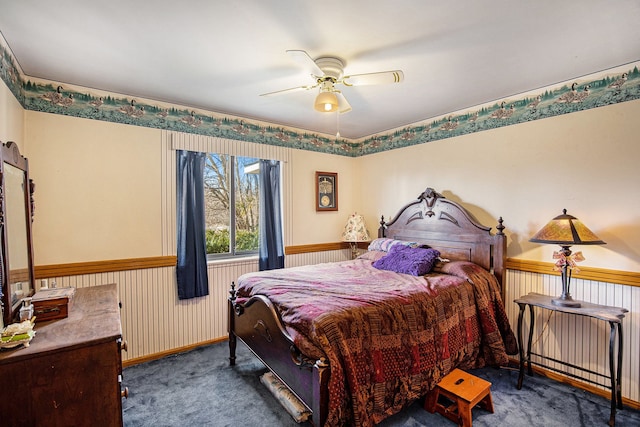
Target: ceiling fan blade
(383, 77)
(289, 90)
(303, 58)
(343, 104)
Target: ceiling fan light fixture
(326, 102)
(328, 71)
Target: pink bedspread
(389, 337)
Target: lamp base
(566, 302)
(354, 250)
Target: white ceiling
(221, 55)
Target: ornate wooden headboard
(446, 226)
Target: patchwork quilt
(389, 337)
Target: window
(232, 208)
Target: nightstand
(612, 315)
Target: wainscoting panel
(580, 340)
(154, 321)
(310, 258)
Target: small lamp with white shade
(355, 231)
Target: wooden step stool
(465, 391)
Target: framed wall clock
(326, 191)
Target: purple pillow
(408, 260)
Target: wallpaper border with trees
(612, 86)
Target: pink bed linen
(389, 337)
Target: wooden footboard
(257, 323)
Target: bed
(356, 341)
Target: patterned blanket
(389, 337)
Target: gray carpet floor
(199, 388)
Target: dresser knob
(124, 346)
(125, 393)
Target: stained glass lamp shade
(566, 230)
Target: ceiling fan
(327, 72)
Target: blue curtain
(191, 270)
(271, 246)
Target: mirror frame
(10, 153)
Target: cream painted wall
(309, 226)
(98, 194)
(11, 118)
(586, 162)
(97, 189)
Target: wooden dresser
(71, 372)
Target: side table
(613, 315)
